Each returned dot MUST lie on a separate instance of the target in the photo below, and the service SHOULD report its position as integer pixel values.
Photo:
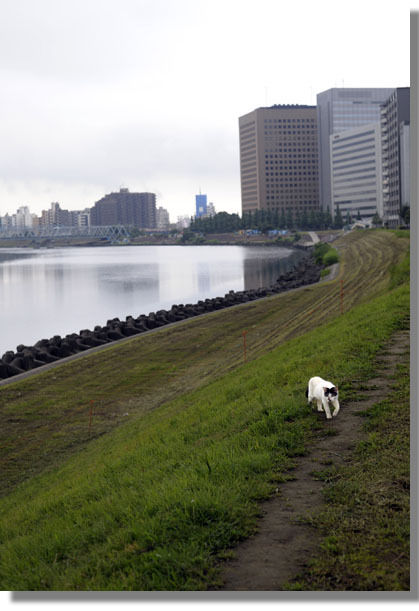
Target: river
(46, 292)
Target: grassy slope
(148, 505)
(46, 418)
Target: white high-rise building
(162, 219)
(23, 218)
(356, 172)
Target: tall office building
(279, 159)
(200, 205)
(394, 114)
(339, 110)
(125, 208)
(356, 172)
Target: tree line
(265, 220)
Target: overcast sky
(146, 94)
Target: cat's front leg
(327, 409)
(336, 405)
(319, 405)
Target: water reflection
(203, 271)
(60, 291)
(130, 279)
(264, 270)
(14, 253)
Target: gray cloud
(97, 93)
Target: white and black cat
(324, 393)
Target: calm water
(50, 292)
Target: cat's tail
(306, 392)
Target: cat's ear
(326, 390)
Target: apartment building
(125, 208)
(55, 216)
(356, 176)
(80, 218)
(279, 159)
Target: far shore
(223, 239)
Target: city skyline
(148, 95)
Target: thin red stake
(244, 345)
(90, 417)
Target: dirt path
(283, 543)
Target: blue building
(201, 205)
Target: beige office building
(279, 159)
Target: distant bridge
(109, 232)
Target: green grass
(152, 504)
(45, 419)
(401, 233)
(152, 499)
(400, 273)
(366, 523)
(331, 257)
(325, 254)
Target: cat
(324, 393)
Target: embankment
(45, 416)
(155, 502)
